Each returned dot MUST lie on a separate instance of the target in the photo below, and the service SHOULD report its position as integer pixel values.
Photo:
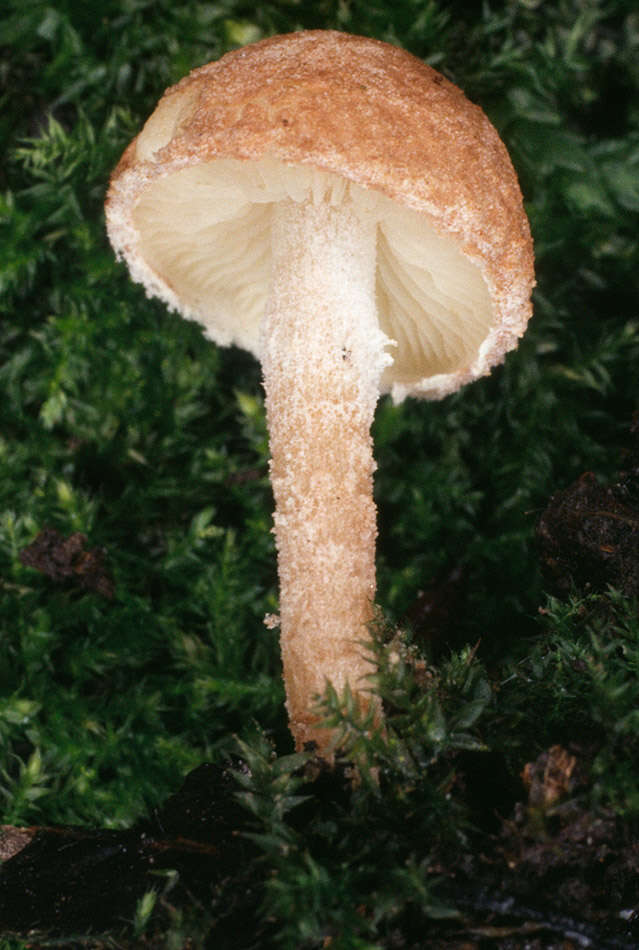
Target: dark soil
(552, 876)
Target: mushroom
(341, 210)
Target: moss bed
(150, 794)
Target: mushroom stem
(322, 358)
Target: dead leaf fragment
(588, 536)
(550, 778)
(66, 558)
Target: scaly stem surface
(323, 355)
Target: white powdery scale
(323, 355)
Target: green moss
(578, 685)
(117, 420)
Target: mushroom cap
(324, 115)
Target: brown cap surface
(311, 113)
